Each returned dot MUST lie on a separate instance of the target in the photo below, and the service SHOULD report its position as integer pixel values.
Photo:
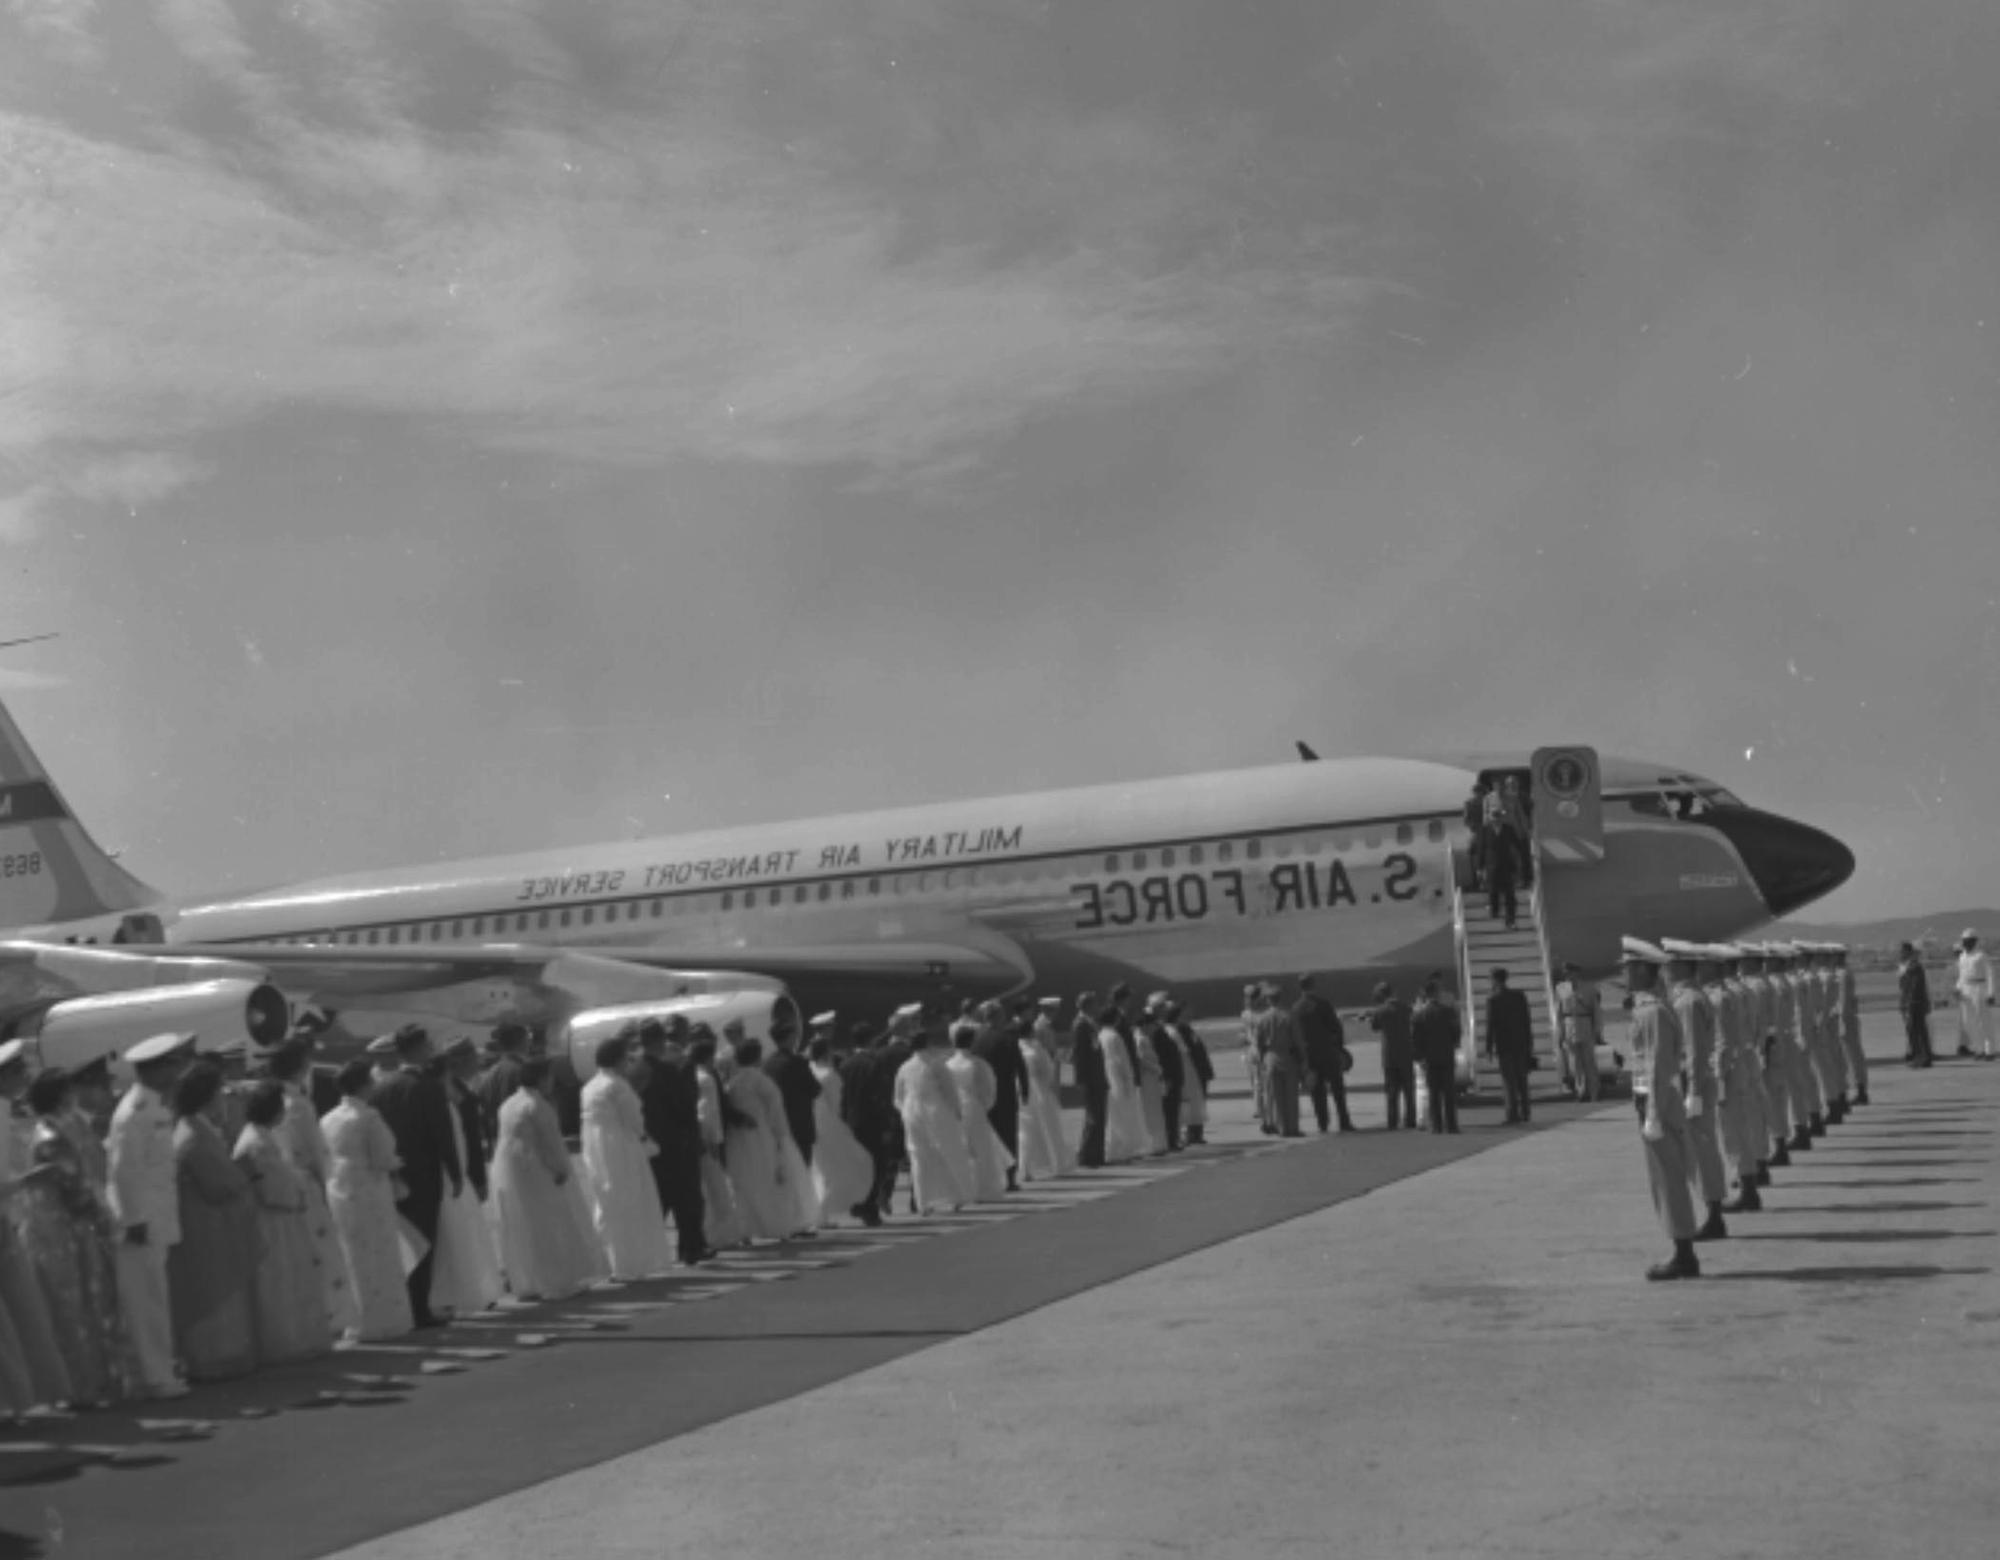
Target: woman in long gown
(304, 1143)
(290, 1294)
(547, 1251)
(1125, 1121)
(1044, 1153)
(842, 1170)
(361, 1193)
(941, 1173)
(69, 1237)
(631, 1224)
(21, 1294)
(977, 1090)
(465, 1276)
(212, 1272)
(722, 1219)
(754, 1149)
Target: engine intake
(220, 1013)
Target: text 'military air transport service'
(1353, 867)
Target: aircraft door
(1569, 809)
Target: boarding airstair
(1487, 943)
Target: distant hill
(1939, 930)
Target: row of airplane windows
(500, 925)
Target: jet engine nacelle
(219, 1013)
(756, 1009)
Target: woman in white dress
(977, 1090)
(721, 1220)
(1125, 1120)
(547, 1245)
(1044, 1153)
(617, 1155)
(843, 1172)
(360, 1191)
(465, 1277)
(941, 1173)
(754, 1150)
(304, 1147)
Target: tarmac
(1368, 1344)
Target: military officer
(1975, 991)
(1760, 1008)
(1850, 1023)
(145, 1200)
(1702, 1067)
(1829, 1060)
(1799, 1089)
(1745, 1141)
(1655, 1039)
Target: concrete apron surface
(1465, 1363)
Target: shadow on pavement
(1907, 1180)
(1871, 1237)
(21, 1546)
(1842, 1275)
(1856, 1162)
(1881, 1207)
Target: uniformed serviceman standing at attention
(1701, 1058)
(1580, 1009)
(1744, 1139)
(1656, 1089)
(1799, 1088)
(1761, 1025)
(1850, 1023)
(1829, 1061)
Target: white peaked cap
(1636, 950)
(157, 1048)
(909, 1010)
(822, 1020)
(1722, 953)
(12, 1051)
(1680, 952)
(1049, 1004)
(1968, 935)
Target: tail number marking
(27, 864)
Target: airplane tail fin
(51, 870)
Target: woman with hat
(361, 1192)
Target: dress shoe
(1861, 1096)
(1713, 1228)
(1781, 1158)
(1763, 1175)
(1681, 1264)
(1801, 1140)
(1747, 1200)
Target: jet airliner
(1351, 867)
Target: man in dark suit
(999, 1047)
(1087, 1064)
(1510, 1041)
(1166, 1049)
(905, 1034)
(1913, 997)
(793, 1075)
(1434, 1028)
(458, 1068)
(1391, 1020)
(508, 1047)
(866, 1111)
(1197, 1087)
(671, 1105)
(413, 1103)
(1325, 1040)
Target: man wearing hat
(412, 1102)
(1975, 993)
(1850, 1022)
(145, 1200)
(1829, 1062)
(507, 1046)
(1656, 1079)
(1695, 1014)
(1579, 1012)
(1804, 1100)
(1087, 1065)
(1325, 1043)
(1740, 1127)
(1913, 1001)
(1760, 1008)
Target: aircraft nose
(1793, 863)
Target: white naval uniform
(1745, 1140)
(145, 1189)
(1655, 1038)
(1975, 987)
(1696, 1017)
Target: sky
(444, 427)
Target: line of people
(1743, 1054)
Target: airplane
(1349, 867)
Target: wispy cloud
(486, 221)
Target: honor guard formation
(1742, 1055)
